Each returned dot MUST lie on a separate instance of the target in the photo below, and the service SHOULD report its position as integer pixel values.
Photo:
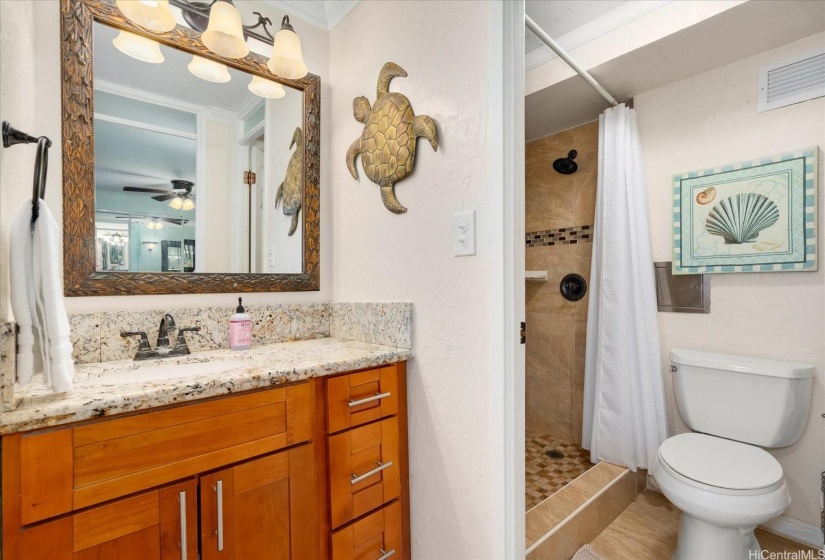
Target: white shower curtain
(624, 410)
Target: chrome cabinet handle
(219, 491)
(376, 397)
(386, 554)
(381, 466)
(183, 543)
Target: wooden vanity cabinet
(156, 525)
(254, 476)
(264, 508)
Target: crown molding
(310, 11)
(337, 10)
(594, 29)
(324, 14)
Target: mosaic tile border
(562, 236)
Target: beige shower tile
(549, 407)
(552, 511)
(550, 344)
(578, 402)
(599, 476)
(586, 137)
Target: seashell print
(740, 218)
(706, 196)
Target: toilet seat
(720, 465)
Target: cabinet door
(265, 509)
(160, 524)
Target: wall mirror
(177, 177)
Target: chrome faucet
(162, 347)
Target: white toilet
(724, 484)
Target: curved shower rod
(534, 27)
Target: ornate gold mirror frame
(80, 276)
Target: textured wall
(710, 120)
(556, 327)
(445, 48)
(24, 50)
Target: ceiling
(735, 34)
(560, 17)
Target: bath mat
(587, 553)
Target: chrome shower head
(566, 166)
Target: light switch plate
(464, 233)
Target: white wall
(711, 120)
(30, 64)
(221, 187)
(445, 47)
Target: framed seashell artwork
(752, 216)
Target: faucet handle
(181, 345)
(144, 349)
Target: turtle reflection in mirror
(387, 144)
(291, 190)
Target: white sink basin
(163, 371)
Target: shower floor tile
(545, 475)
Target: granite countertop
(109, 388)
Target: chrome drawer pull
(183, 543)
(386, 554)
(381, 466)
(219, 491)
(376, 397)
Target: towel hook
(11, 137)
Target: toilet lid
(720, 462)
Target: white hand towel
(37, 300)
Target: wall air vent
(792, 80)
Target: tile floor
(544, 475)
(648, 527)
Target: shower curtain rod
(534, 27)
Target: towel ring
(11, 137)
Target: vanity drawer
(87, 465)
(364, 470)
(376, 536)
(361, 397)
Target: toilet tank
(761, 402)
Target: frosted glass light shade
(138, 47)
(153, 15)
(176, 203)
(154, 224)
(224, 34)
(188, 204)
(287, 59)
(209, 70)
(266, 88)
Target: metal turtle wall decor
(387, 144)
(291, 191)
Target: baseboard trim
(795, 530)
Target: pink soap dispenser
(240, 329)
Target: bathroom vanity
(298, 451)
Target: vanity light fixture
(224, 34)
(266, 88)
(153, 15)
(287, 59)
(138, 47)
(209, 70)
